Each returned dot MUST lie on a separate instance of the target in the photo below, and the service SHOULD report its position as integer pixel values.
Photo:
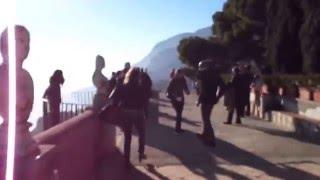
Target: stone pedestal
(25, 146)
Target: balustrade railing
(83, 97)
(79, 103)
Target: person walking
(175, 92)
(211, 88)
(130, 95)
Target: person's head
(205, 65)
(235, 70)
(241, 68)
(132, 76)
(247, 67)
(127, 66)
(100, 64)
(118, 73)
(172, 73)
(179, 73)
(57, 77)
(22, 40)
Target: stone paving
(256, 149)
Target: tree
(194, 49)
(310, 36)
(282, 34)
(284, 19)
(241, 28)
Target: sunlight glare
(12, 89)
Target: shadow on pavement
(201, 160)
(152, 169)
(173, 118)
(292, 135)
(113, 168)
(237, 156)
(165, 139)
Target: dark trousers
(239, 112)
(247, 109)
(208, 132)
(133, 118)
(146, 109)
(178, 107)
(54, 114)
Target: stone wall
(303, 107)
(71, 150)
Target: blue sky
(68, 34)
(65, 33)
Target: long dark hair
(57, 77)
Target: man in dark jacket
(211, 88)
(238, 102)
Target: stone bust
(25, 89)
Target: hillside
(164, 56)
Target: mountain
(164, 56)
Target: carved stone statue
(101, 84)
(25, 145)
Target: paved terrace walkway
(254, 150)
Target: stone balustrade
(70, 150)
(296, 115)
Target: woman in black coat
(53, 95)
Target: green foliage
(310, 36)
(192, 50)
(236, 25)
(190, 72)
(282, 34)
(282, 42)
(292, 38)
